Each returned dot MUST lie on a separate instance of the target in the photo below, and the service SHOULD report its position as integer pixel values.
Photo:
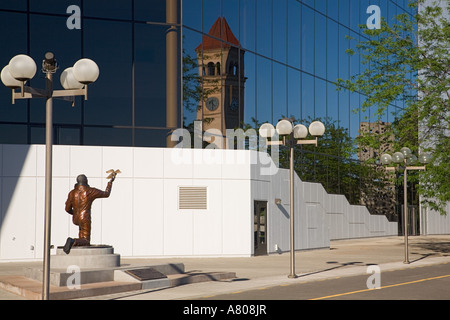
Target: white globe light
(8, 80)
(300, 131)
(425, 158)
(68, 80)
(317, 129)
(386, 159)
(85, 71)
(406, 151)
(284, 127)
(267, 130)
(398, 157)
(411, 159)
(22, 67)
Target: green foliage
(409, 60)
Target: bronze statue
(78, 204)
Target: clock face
(212, 103)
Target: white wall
(141, 217)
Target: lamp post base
(292, 276)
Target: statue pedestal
(97, 270)
(95, 263)
(89, 257)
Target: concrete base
(91, 257)
(96, 270)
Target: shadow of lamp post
(74, 80)
(291, 136)
(405, 161)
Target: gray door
(260, 227)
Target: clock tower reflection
(221, 70)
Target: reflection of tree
(197, 87)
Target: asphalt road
(423, 283)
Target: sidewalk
(343, 258)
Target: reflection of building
(378, 192)
(377, 129)
(221, 69)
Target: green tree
(409, 60)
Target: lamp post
(292, 136)
(406, 158)
(74, 80)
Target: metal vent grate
(192, 198)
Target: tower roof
(219, 30)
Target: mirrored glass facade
(240, 63)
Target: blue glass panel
(14, 5)
(37, 135)
(68, 136)
(308, 110)
(344, 10)
(320, 46)
(109, 44)
(247, 25)
(279, 30)
(332, 102)
(150, 75)
(53, 6)
(309, 3)
(321, 6)
(264, 27)
(294, 94)
(343, 56)
(294, 34)
(107, 136)
(153, 11)
(264, 90)
(307, 39)
(355, 14)
(151, 137)
(250, 88)
(332, 50)
(279, 91)
(344, 108)
(192, 14)
(211, 12)
(354, 59)
(13, 133)
(320, 101)
(333, 9)
(112, 9)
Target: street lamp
(291, 136)
(75, 80)
(405, 157)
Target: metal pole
(171, 69)
(291, 171)
(405, 213)
(48, 185)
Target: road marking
(383, 287)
